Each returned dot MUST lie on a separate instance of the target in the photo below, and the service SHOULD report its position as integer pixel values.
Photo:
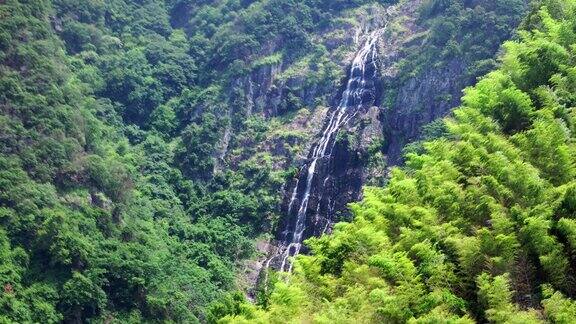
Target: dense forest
(145, 148)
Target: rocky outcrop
(419, 101)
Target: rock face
(421, 100)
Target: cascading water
(359, 92)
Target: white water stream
(351, 97)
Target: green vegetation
(480, 224)
(91, 225)
(136, 172)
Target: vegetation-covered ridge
(480, 226)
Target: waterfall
(360, 83)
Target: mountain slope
(477, 227)
(111, 116)
(145, 146)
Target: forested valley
(287, 161)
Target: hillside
(478, 226)
(160, 161)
